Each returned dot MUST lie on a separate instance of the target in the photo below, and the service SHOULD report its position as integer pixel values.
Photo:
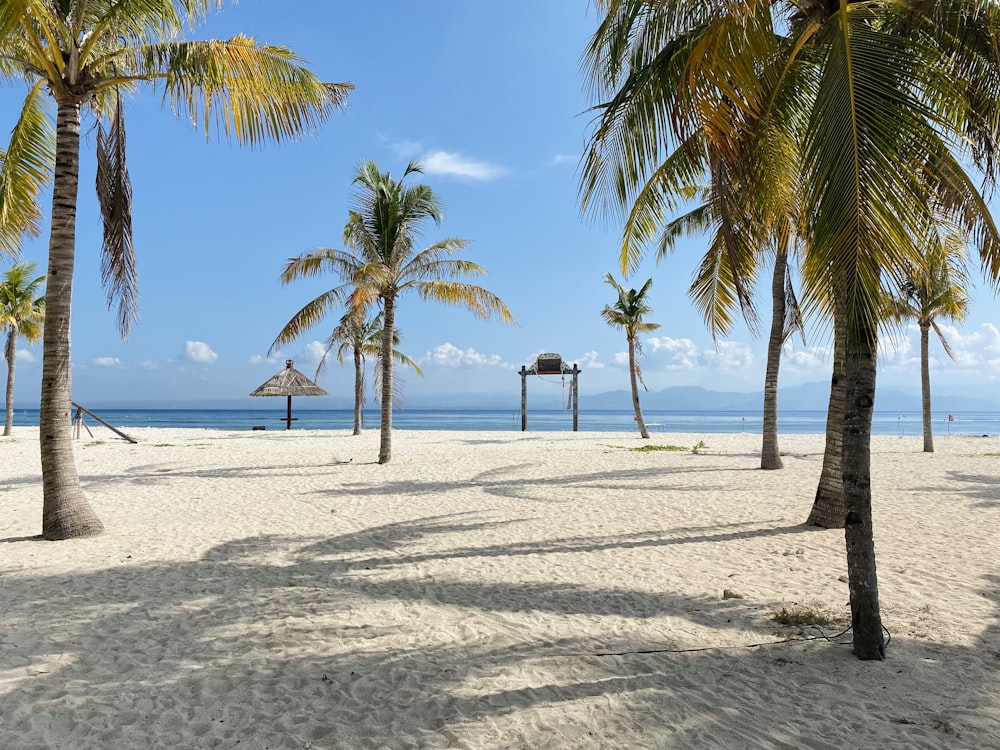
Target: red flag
(951, 418)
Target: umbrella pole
(289, 421)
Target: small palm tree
(937, 292)
(361, 337)
(627, 313)
(87, 56)
(384, 263)
(22, 313)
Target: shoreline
(280, 589)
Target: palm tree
(362, 337)
(22, 313)
(87, 56)
(383, 263)
(936, 291)
(627, 314)
(883, 105)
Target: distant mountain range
(807, 397)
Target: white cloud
(977, 350)
(25, 355)
(684, 354)
(727, 355)
(589, 361)
(106, 362)
(680, 354)
(199, 351)
(449, 355)
(811, 358)
(456, 165)
(314, 351)
(563, 159)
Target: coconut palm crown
(382, 262)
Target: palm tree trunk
(925, 385)
(66, 513)
(866, 621)
(359, 389)
(643, 432)
(10, 353)
(388, 323)
(770, 455)
(828, 508)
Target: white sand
(255, 591)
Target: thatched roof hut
(289, 382)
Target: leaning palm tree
(22, 314)
(381, 263)
(362, 337)
(935, 291)
(884, 103)
(627, 313)
(87, 56)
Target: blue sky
(490, 97)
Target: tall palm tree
(936, 291)
(381, 263)
(627, 313)
(884, 104)
(86, 56)
(22, 314)
(362, 337)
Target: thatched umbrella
(289, 382)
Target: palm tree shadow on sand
(347, 642)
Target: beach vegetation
(699, 447)
(854, 126)
(22, 315)
(86, 57)
(381, 262)
(932, 291)
(360, 336)
(627, 313)
(804, 615)
(656, 448)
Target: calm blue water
(803, 422)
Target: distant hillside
(807, 397)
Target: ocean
(509, 420)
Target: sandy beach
(491, 590)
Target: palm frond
(114, 193)
(25, 168)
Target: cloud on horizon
(106, 362)
(449, 355)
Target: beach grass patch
(800, 615)
(943, 725)
(654, 448)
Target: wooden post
(118, 432)
(288, 421)
(576, 398)
(524, 398)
